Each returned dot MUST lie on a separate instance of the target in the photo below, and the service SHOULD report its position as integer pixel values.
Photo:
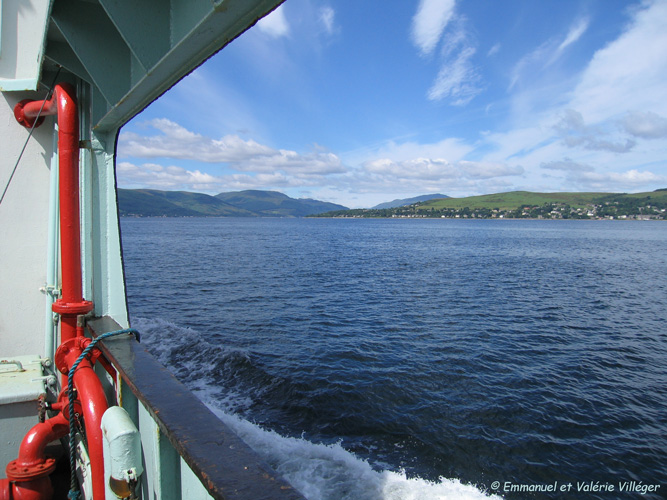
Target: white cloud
(632, 177)
(241, 164)
(647, 125)
(582, 176)
(151, 175)
(451, 148)
(381, 179)
(437, 170)
(576, 31)
(617, 181)
(419, 168)
(565, 131)
(457, 80)
(275, 24)
(327, 18)
(576, 133)
(493, 50)
(310, 165)
(530, 65)
(489, 170)
(567, 165)
(176, 142)
(630, 72)
(614, 147)
(429, 23)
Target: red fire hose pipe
(36, 489)
(70, 305)
(63, 104)
(93, 404)
(28, 475)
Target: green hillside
(514, 199)
(275, 204)
(526, 204)
(155, 203)
(145, 203)
(150, 202)
(409, 201)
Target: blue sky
(359, 103)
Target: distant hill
(526, 204)
(155, 203)
(513, 199)
(275, 204)
(409, 201)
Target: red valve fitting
(32, 462)
(36, 489)
(28, 475)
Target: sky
(362, 102)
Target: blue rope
(75, 492)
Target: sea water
(419, 359)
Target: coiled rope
(75, 491)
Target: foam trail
(329, 472)
(318, 471)
(167, 341)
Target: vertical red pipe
(63, 104)
(93, 405)
(71, 303)
(70, 230)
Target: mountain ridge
(248, 203)
(409, 201)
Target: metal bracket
(49, 380)
(51, 290)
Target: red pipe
(28, 475)
(71, 303)
(93, 404)
(36, 489)
(31, 452)
(63, 104)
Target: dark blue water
(522, 352)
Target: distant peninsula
(409, 201)
(250, 203)
(527, 205)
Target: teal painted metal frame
(52, 259)
(132, 52)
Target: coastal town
(647, 206)
(609, 211)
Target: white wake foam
(329, 472)
(318, 471)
